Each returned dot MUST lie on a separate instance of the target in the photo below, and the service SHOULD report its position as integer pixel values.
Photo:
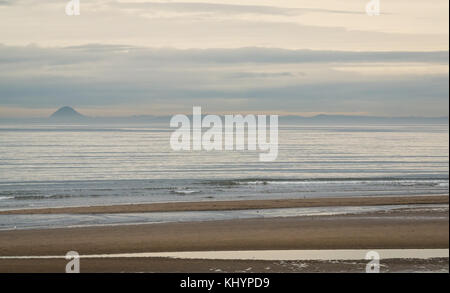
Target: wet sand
(236, 205)
(168, 265)
(401, 229)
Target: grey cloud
(396, 97)
(27, 2)
(95, 52)
(264, 74)
(102, 75)
(201, 7)
(194, 7)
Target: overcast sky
(125, 57)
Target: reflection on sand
(287, 255)
(36, 221)
(341, 254)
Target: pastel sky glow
(134, 57)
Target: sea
(63, 165)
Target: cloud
(257, 55)
(142, 55)
(290, 24)
(253, 79)
(222, 8)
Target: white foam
(186, 191)
(6, 197)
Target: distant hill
(332, 119)
(66, 113)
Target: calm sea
(78, 165)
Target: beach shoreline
(405, 228)
(172, 265)
(235, 205)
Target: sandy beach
(401, 229)
(235, 205)
(168, 265)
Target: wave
(186, 192)
(439, 182)
(6, 197)
(161, 190)
(51, 196)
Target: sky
(287, 57)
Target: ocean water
(80, 165)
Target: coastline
(405, 228)
(236, 205)
(398, 229)
(171, 265)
